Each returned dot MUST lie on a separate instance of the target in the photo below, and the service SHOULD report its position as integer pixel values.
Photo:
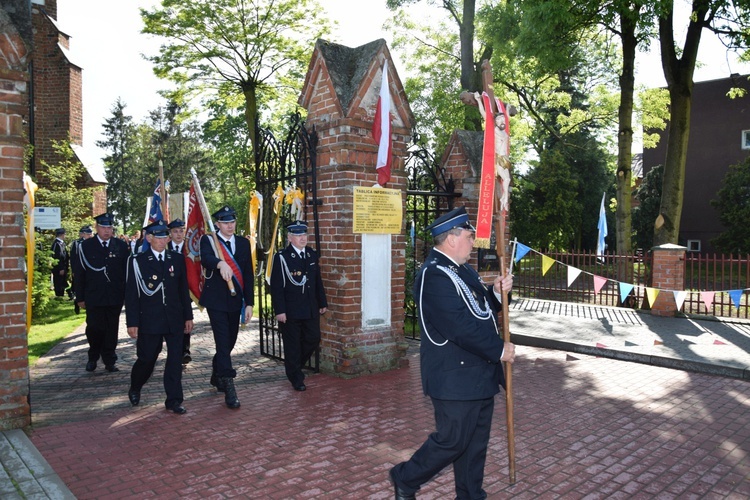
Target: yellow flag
(546, 264)
(29, 188)
(254, 217)
(278, 197)
(652, 293)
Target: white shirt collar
(446, 256)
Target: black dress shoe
(216, 382)
(134, 397)
(186, 358)
(178, 409)
(111, 368)
(300, 387)
(91, 366)
(399, 493)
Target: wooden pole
(209, 226)
(163, 190)
(500, 249)
(500, 239)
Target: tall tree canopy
(259, 47)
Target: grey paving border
(646, 359)
(28, 473)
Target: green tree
(730, 21)
(260, 48)
(733, 204)
(62, 181)
(120, 167)
(648, 195)
(61, 188)
(463, 14)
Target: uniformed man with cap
(230, 264)
(60, 268)
(178, 244)
(298, 299)
(460, 355)
(158, 309)
(83, 234)
(100, 289)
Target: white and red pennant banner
(381, 130)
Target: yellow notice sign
(377, 210)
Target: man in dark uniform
(157, 308)
(60, 268)
(177, 244)
(298, 299)
(460, 355)
(100, 289)
(83, 234)
(230, 265)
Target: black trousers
(102, 323)
(60, 283)
(301, 337)
(461, 438)
(148, 348)
(225, 326)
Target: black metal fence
(570, 277)
(715, 279)
(715, 285)
(286, 162)
(429, 195)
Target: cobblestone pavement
(585, 427)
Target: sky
(107, 43)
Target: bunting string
(573, 273)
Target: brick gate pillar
(340, 95)
(668, 273)
(14, 352)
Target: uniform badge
(151, 285)
(154, 277)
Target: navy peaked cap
(176, 223)
(225, 214)
(455, 218)
(297, 227)
(105, 220)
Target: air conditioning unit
(694, 245)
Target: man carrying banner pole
(227, 264)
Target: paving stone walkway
(585, 427)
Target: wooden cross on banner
(496, 114)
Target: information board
(47, 217)
(377, 210)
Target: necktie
(161, 258)
(229, 246)
(104, 245)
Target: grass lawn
(58, 322)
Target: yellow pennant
(546, 264)
(254, 217)
(278, 197)
(651, 294)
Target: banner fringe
(482, 243)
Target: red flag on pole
(381, 130)
(487, 181)
(196, 227)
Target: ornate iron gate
(428, 196)
(288, 162)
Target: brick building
(15, 43)
(56, 100)
(719, 137)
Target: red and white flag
(381, 130)
(196, 227)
